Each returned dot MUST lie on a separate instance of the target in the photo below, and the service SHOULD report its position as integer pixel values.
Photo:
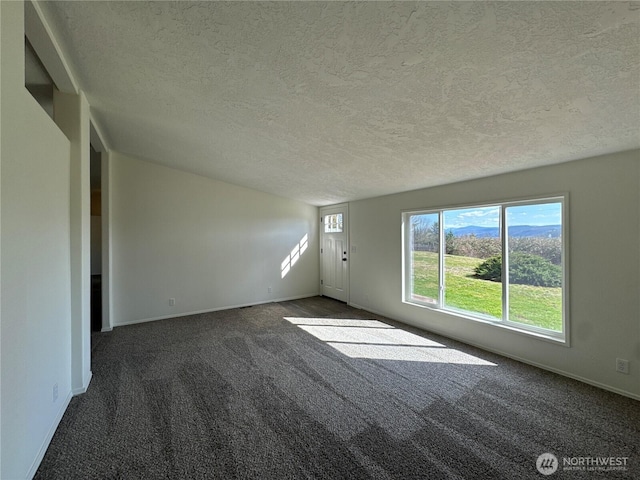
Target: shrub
(524, 269)
(490, 269)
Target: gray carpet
(315, 389)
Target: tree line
(426, 238)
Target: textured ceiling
(327, 102)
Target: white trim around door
(334, 252)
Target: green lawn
(540, 306)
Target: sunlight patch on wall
(373, 339)
(292, 258)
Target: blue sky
(541, 214)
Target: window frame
(562, 337)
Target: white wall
(35, 255)
(71, 114)
(208, 244)
(604, 202)
(105, 242)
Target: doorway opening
(96, 239)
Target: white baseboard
(47, 440)
(588, 381)
(85, 385)
(375, 312)
(542, 366)
(217, 309)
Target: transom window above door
(333, 223)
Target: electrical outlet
(269, 289)
(622, 366)
(55, 392)
(172, 302)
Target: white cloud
(479, 213)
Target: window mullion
(409, 260)
(505, 263)
(442, 247)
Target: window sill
(541, 334)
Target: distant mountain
(547, 231)
(480, 232)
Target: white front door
(334, 249)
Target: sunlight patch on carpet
(372, 339)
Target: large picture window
(502, 263)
